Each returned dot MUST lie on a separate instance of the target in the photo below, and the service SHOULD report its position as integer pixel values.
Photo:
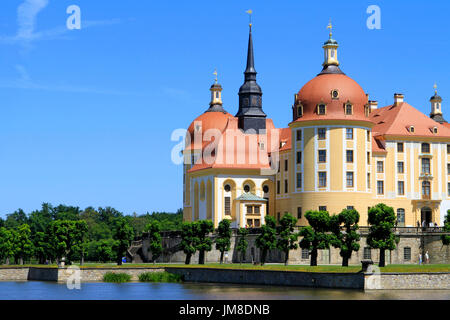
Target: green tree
(66, 238)
(155, 239)
(286, 236)
(6, 245)
(316, 236)
(16, 219)
(104, 250)
(42, 249)
(202, 229)
(347, 240)
(188, 240)
(381, 220)
(267, 240)
(445, 237)
(123, 234)
(242, 244)
(223, 239)
(23, 246)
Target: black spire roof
(250, 114)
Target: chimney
(373, 104)
(398, 98)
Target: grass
(159, 277)
(116, 277)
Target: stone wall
(14, 274)
(409, 238)
(405, 281)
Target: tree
(16, 219)
(223, 240)
(23, 247)
(155, 240)
(123, 234)
(287, 236)
(66, 238)
(267, 240)
(242, 243)
(316, 236)
(381, 220)
(188, 240)
(6, 245)
(202, 229)
(445, 237)
(42, 250)
(347, 241)
(104, 250)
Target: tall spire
(436, 107)
(250, 114)
(331, 63)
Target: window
(401, 217)
(279, 166)
(299, 135)
(348, 109)
(368, 180)
(380, 167)
(322, 208)
(305, 254)
(448, 148)
(350, 156)
(227, 206)
(401, 188)
(322, 133)
(426, 166)
(286, 165)
(400, 167)
(322, 156)
(448, 168)
(368, 157)
(227, 188)
(278, 216)
(350, 207)
(407, 253)
(321, 109)
(278, 187)
(299, 180)
(249, 210)
(349, 179)
(299, 111)
(435, 130)
(399, 146)
(411, 129)
(334, 94)
(368, 135)
(367, 253)
(425, 148)
(322, 179)
(426, 189)
(299, 212)
(349, 133)
(246, 188)
(299, 157)
(380, 187)
(286, 186)
(266, 189)
(256, 210)
(448, 189)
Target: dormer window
(348, 109)
(261, 145)
(335, 94)
(435, 130)
(321, 109)
(300, 111)
(411, 129)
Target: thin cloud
(26, 17)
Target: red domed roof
(206, 121)
(320, 89)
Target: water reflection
(35, 290)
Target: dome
(335, 91)
(207, 121)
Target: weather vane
(330, 26)
(215, 73)
(435, 88)
(250, 16)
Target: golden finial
(435, 88)
(330, 26)
(215, 73)
(250, 16)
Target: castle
(339, 151)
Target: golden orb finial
(250, 11)
(435, 88)
(215, 73)
(330, 26)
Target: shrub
(159, 277)
(116, 277)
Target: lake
(37, 290)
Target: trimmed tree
(242, 244)
(155, 239)
(316, 236)
(445, 237)
(6, 245)
(223, 240)
(123, 234)
(203, 228)
(267, 240)
(287, 236)
(348, 239)
(66, 239)
(382, 221)
(188, 240)
(23, 244)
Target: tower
(251, 116)
(436, 107)
(331, 62)
(216, 97)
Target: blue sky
(86, 115)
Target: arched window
(299, 111)
(348, 109)
(426, 189)
(227, 200)
(401, 217)
(321, 109)
(246, 188)
(425, 148)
